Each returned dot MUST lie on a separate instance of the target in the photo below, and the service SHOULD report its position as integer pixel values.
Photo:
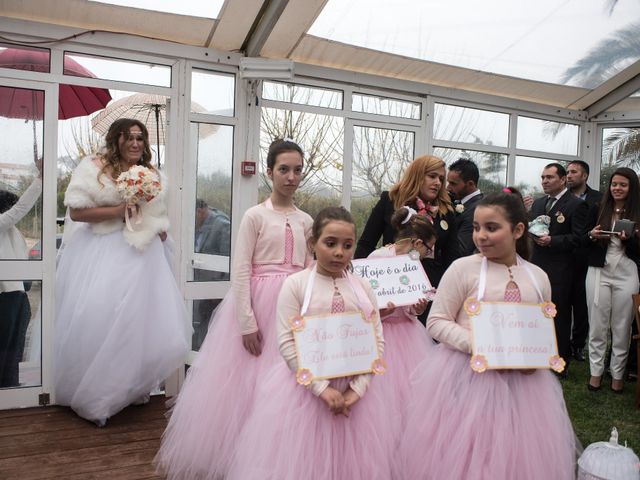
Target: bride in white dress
(121, 325)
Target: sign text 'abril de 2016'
(400, 279)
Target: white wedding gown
(121, 326)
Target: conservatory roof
(570, 54)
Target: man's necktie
(549, 205)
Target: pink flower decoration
(378, 366)
(430, 294)
(478, 363)
(471, 306)
(549, 309)
(304, 377)
(296, 323)
(557, 363)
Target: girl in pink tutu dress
(219, 390)
(330, 430)
(406, 340)
(498, 424)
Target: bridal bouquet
(135, 185)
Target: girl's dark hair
(514, 191)
(418, 226)
(631, 204)
(7, 200)
(327, 215)
(281, 145)
(514, 212)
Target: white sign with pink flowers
(513, 335)
(335, 345)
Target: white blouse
(12, 244)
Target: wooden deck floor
(52, 442)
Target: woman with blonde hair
(422, 187)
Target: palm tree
(607, 58)
(621, 148)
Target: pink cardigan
(260, 241)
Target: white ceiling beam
(607, 87)
(117, 43)
(265, 24)
(318, 51)
(614, 97)
(184, 29)
(234, 24)
(294, 23)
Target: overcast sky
(529, 39)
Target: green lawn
(594, 413)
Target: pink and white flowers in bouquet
(138, 183)
(135, 185)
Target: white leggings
(609, 291)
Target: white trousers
(609, 291)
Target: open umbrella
(149, 109)
(73, 100)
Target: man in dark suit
(462, 184)
(554, 253)
(577, 176)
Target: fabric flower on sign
(557, 363)
(479, 363)
(471, 306)
(379, 366)
(304, 377)
(296, 323)
(549, 309)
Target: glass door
(27, 240)
(207, 197)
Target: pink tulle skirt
(406, 345)
(291, 435)
(219, 390)
(491, 425)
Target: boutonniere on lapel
(459, 207)
(560, 217)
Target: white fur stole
(84, 191)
